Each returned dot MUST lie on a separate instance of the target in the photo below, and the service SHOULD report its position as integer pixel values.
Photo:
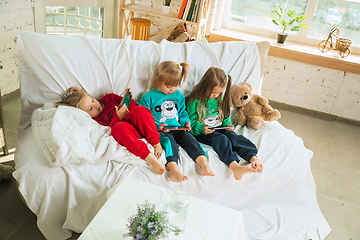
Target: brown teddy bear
(5, 171)
(250, 109)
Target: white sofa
(279, 203)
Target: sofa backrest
(50, 64)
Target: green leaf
(291, 13)
(277, 14)
(275, 22)
(281, 9)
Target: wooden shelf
(152, 11)
(200, 25)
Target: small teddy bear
(251, 109)
(5, 171)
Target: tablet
(127, 98)
(171, 127)
(218, 128)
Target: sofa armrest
(263, 48)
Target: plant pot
(281, 38)
(166, 9)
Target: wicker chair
(3, 143)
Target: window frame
(110, 17)
(302, 34)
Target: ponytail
(227, 97)
(184, 72)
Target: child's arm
(182, 113)
(226, 121)
(122, 112)
(196, 127)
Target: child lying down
(128, 125)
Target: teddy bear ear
(247, 84)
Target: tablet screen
(175, 127)
(219, 128)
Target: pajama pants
(186, 140)
(139, 123)
(228, 144)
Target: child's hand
(187, 125)
(207, 131)
(231, 127)
(161, 128)
(122, 112)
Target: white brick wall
(15, 15)
(312, 87)
(347, 101)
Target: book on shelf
(195, 15)
(194, 10)
(191, 10)
(186, 11)
(182, 8)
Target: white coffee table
(205, 220)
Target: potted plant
(148, 223)
(166, 6)
(290, 21)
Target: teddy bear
(251, 109)
(5, 171)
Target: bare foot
(239, 171)
(157, 150)
(158, 167)
(175, 174)
(256, 164)
(204, 165)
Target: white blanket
(68, 135)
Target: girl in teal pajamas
(167, 105)
(208, 107)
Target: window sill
(294, 51)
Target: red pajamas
(139, 123)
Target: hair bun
(71, 91)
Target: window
(254, 16)
(92, 18)
(85, 21)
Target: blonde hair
(169, 73)
(213, 77)
(73, 97)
